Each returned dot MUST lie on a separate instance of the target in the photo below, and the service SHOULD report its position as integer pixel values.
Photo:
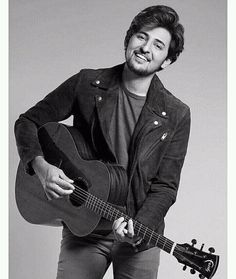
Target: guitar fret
(139, 228)
(144, 234)
(150, 236)
(92, 205)
(116, 215)
(87, 202)
(90, 202)
(107, 212)
(156, 244)
(101, 207)
(112, 214)
(163, 247)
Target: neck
(136, 84)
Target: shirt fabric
(124, 119)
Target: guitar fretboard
(110, 213)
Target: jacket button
(155, 122)
(163, 113)
(97, 81)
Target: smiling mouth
(142, 57)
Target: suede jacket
(158, 146)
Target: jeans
(89, 258)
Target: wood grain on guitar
(83, 210)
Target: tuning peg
(201, 276)
(192, 271)
(202, 247)
(211, 250)
(194, 241)
(184, 267)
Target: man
(128, 118)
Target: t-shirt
(124, 119)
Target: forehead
(158, 33)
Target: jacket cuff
(27, 163)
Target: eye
(140, 36)
(158, 46)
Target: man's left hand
(124, 231)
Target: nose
(146, 46)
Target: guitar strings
(88, 198)
(111, 213)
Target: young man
(127, 117)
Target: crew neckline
(132, 95)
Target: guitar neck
(110, 213)
(206, 264)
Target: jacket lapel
(107, 84)
(153, 109)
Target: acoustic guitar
(83, 209)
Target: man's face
(147, 50)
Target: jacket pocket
(147, 153)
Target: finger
(52, 195)
(117, 223)
(64, 184)
(58, 190)
(120, 229)
(66, 178)
(130, 231)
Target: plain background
(51, 40)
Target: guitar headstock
(204, 263)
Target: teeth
(141, 56)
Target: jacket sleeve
(163, 190)
(56, 106)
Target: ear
(166, 63)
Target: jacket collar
(109, 79)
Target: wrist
(37, 162)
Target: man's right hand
(55, 183)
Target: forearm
(26, 133)
(56, 106)
(154, 209)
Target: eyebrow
(156, 39)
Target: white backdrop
(51, 40)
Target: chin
(138, 69)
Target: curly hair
(160, 16)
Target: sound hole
(79, 195)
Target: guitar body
(60, 149)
